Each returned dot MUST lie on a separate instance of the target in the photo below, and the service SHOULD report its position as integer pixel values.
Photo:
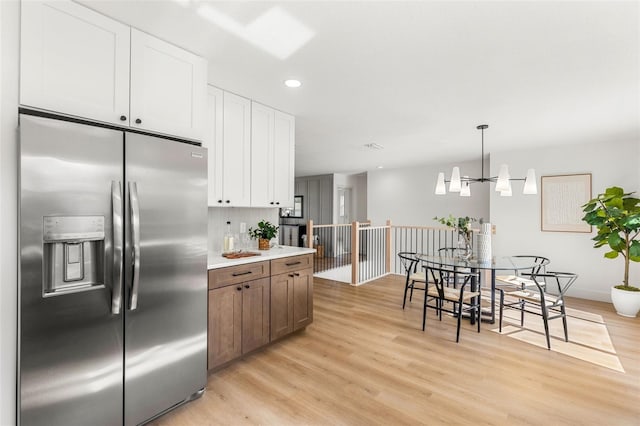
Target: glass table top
(498, 263)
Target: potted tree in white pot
(616, 215)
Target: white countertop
(217, 261)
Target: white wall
(518, 218)
(358, 185)
(406, 196)
(9, 70)
(360, 197)
(218, 217)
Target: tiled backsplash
(218, 217)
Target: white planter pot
(627, 303)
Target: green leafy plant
(265, 230)
(616, 214)
(462, 224)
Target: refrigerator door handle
(116, 283)
(135, 240)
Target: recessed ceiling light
(292, 83)
(381, 167)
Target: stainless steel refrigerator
(113, 284)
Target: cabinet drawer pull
(237, 274)
(138, 121)
(239, 288)
(123, 118)
(247, 286)
(296, 274)
(293, 263)
(291, 275)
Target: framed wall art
(562, 200)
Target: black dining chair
(523, 278)
(441, 298)
(409, 263)
(452, 252)
(538, 299)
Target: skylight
(275, 31)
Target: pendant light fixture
(502, 181)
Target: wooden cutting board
(239, 255)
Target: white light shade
(503, 178)
(441, 189)
(465, 191)
(454, 184)
(507, 192)
(530, 185)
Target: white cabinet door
(74, 61)
(272, 157)
(284, 159)
(262, 155)
(168, 88)
(236, 179)
(213, 141)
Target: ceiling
(416, 77)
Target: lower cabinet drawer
(222, 277)
(293, 263)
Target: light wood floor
(365, 361)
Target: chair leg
(522, 313)
(501, 309)
(458, 328)
(411, 294)
(424, 311)
(545, 319)
(479, 314)
(564, 323)
(406, 287)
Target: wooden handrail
(335, 225)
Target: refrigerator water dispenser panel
(73, 254)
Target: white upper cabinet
(262, 155)
(272, 157)
(78, 62)
(228, 140)
(284, 159)
(236, 179)
(75, 61)
(168, 87)
(213, 141)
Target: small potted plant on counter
(616, 214)
(263, 233)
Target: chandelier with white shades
(502, 181)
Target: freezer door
(165, 275)
(70, 339)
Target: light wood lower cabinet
(225, 325)
(255, 314)
(291, 302)
(238, 319)
(248, 307)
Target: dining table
(497, 263)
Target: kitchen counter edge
(216, 260)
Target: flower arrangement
(462, 224)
